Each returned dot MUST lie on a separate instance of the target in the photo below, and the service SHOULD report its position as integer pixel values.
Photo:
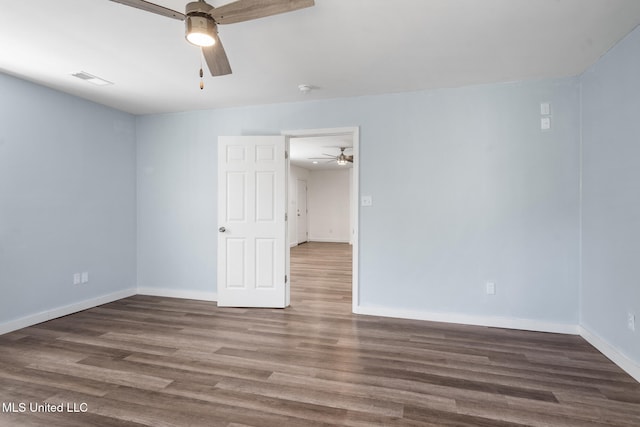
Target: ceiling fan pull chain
(201, 76)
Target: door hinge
(286, 154)
(285, 278)
(286, 217)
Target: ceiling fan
(202, 19)
(342, 159)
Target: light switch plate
(366, 201)
(545, 108)
(491, 288)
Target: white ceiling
(342, 47)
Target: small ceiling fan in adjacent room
(342, 159)
(202, 20)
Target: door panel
(236, 254)
(265, 194)
(252, 249)
(265, 261)
(236, 207)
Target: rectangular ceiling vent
(83, 75)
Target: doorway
(347, 138)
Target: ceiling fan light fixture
(200, 30)
(342, 160)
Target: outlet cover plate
(545, 123)
(491, 288)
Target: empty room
(319, 213)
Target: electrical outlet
(491, 288)
(76, 278)
(85, 277)
(631, 322)
(545, 123)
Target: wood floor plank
(151, 361)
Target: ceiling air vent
(83, 75)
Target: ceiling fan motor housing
(198, 8)
(198, 20)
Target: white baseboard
(54, 313)
(327, 240)
(178, 293)
(625, 363)
(491, 321)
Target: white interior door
(301, 211)
(252, 239)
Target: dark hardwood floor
(167, 362)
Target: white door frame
(355, 134)
(306, 219)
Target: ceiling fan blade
(152, 7)
(349, 159)
(245, 10)
(322, 158)
(216, 58)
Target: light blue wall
(611, 196)
(67, 199)
(466, 189)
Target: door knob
(222, 229)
